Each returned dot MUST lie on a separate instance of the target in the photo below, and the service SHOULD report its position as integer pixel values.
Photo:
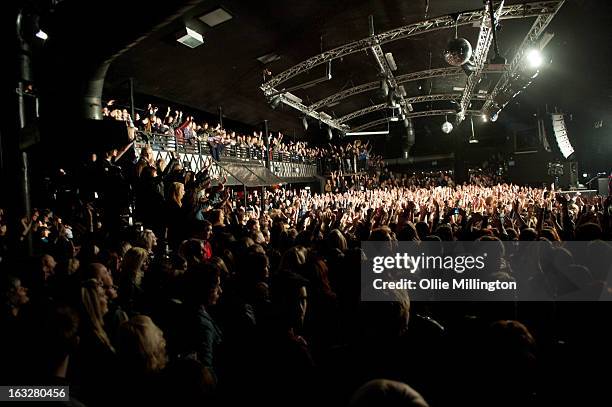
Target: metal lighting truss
(364, 111)
(321, 116)
(425, 113)
(401, 79)
(365, 87)
(387, 72)
(485, 38)
(539, 9)
(532, 36)
(326, 77)
(525, 10)
(369, 125)
(415, 99)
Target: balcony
(196, 155)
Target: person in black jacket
(176, 218)
(201, 334)
(150, 200)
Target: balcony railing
(172, 142)
(195, 154)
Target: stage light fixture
(274, 101)
(190, 38)
(534, 58)
(485, 118)
(330, 135)
(473, 139)
(394, 117)
(305, 123)
(42, 35)
(391, 61)
(367, 133)
(384, 88)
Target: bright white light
(367, 133)
(535, 59)
(447, 127)
(42, 35)
(484, 118)
(584, 175)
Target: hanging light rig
(473, 139)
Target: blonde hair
(90, 303)
(147, 159)
(173, 192)
(337, 240)
(145, 239)
(381, 392)
(73, 265)
(131, 266)
(123, 248)
(142, 345)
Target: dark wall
(531, 168)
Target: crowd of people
(383, 177)
(192, 293)
(166, 129)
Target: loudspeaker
(561, 135)
(602, 186)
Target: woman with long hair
(176, 192)
(146, 160)
(94, 362)
(176, 217)
(135, 264)
(202, 335)
(147, 240)
(142, 347)
(94, 305)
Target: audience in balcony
(348, 157)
